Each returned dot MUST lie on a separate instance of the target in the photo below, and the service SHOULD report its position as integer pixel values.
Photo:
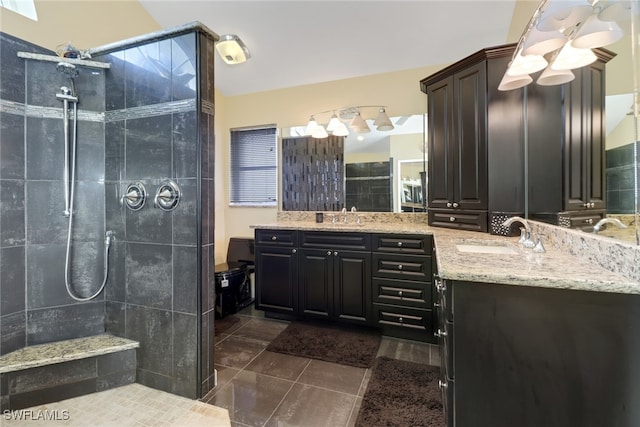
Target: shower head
(66, 68)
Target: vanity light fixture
(352, 115)
(565, 32)
(232, 50)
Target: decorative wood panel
(312, 174)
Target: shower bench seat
(63, 369)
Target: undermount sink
(485, 247)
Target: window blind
(253, 178)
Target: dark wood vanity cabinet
(567, 166)
(401, 284)
(334, 276)
(475, 157)
(276, 259)
(379, 280)
(483, 142)
(529, 356)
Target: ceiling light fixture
(352, 115)
(232, 50)
(565, 31)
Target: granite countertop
(552, 269)
(61, 351)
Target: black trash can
(233, 278)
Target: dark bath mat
(339, 344)
(402, 394)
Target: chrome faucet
(344, 215)
(603, 221)
(525, 237)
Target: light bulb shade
(232, 50)
(570, 58)
(562, 14)
(551, 77)
(358, 124)
(333, 123)
(514, 82)
(311, 126)
(319, 132)
(341, 130)
(526, 64)
(542, 42)
(596, 33)
(382, 121)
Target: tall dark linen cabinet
(491, 151)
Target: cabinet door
(276, 279)
(469, 122)
(584, 139)
(441, 150)
(316, 282)
(352, 278)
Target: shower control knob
(135, 196)
(167, 196)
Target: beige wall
(86, 24)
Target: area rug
(331, 343)
(402, 394)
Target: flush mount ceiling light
(352, 115)
(232, 50)
(564, 31)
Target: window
(253, 180)
(23, 7)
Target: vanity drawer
(335, 240)
(403, 243)
(401, 292)
(460, 220)
(276, 237)
(404, 322)
(403, 267)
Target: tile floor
(261, 388)
(258, 387)
(133, 405)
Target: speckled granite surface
(61, 351)
(574, 260)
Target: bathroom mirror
(373, 162)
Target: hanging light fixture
(333, 123)
(514, 82)
(551, 77)
(596, 33)
(358, 124)
(382, 121)
(232, 50)
(570, 58)
(341, 130)
(311, 126)
(566, 31)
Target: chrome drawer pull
(329, 253)
(452, 219)
(455, 205)
(400, 294)
(274, 238)
(399, 266)
(293, 251)
(401, 320)
(399, 244)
